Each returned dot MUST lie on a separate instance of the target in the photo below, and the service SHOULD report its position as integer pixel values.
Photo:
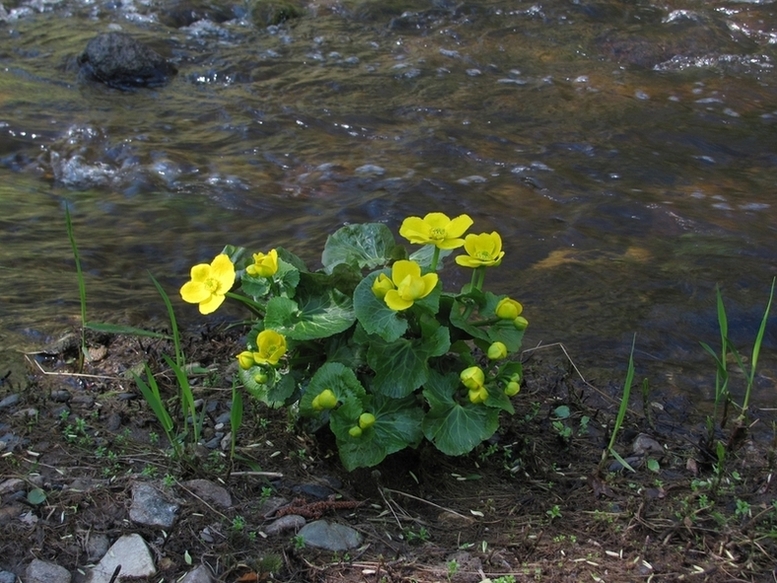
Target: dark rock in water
(273, 12)
(180, 13)
(120, 61)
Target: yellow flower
(473, 378)
(436, 229)
(410, 285)
(245, 359)
(271, 347)
(482, 250)
(508, 309)
(209, 284)
(497, 351)
(382, 285)
(265, 264)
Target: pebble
(150, 507)
(210, 492)
(129, 551)
(43, 572)
(11, 485)
(7, 577)
(10, 401)
(96, 547)
(199, 575)
(284, 523)
(330, 536)
(61, 396)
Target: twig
(70, 374)
(262, 474)
(427, 502)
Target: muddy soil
(535, 503)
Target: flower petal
(224, 272)
(200, 272)
(415, 230)
(467, 261)
(211, 304)
(450, 243)
(402, 268)
(430, 282)
(194, 292)
(459, 226)
(437, 220)
(395, 302)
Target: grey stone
(120, 61)
(199, 575)
(11, 485)
(10, 401)
(151, 507)
(646, 445)
(210, 492)
(131, 552)
(42, 572)
(96, 547)
(284, 523)
(330, 536)
(7, 577)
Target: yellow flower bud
(520, 323)
(265, 264)
(260, 378)
(497, 351)
(382, 285)
(355, 431)
(316, 403)
(508, 309)
(478, 396)
(245, 359)
(327, 399)
(512, 388)
(516, 377)
(366, 420)
(472, 377)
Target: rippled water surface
(626, 151)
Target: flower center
(437, 233)
(410, 288)
(212, 284)
(483, 255)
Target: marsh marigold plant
(371, 344)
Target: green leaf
(336, 377)
(397, 426)
(373, 314)
(36, 496)
(455, 429)
(275, 392)
(310, 317)
(255, 287)
(364, 246)
(402, 366)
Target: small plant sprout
(554, 512)
(624, 405)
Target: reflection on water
(625, 152)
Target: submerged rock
(122, 62)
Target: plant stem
(435, 258)
(255, 307)
(81, 283)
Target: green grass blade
(80, 274)
(173, 322)
(624, 405)
(119, 329)
(187, 398)
(759, 338)
(235, 416)
(150, 393)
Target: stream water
(626, 152)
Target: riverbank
(81, 449)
